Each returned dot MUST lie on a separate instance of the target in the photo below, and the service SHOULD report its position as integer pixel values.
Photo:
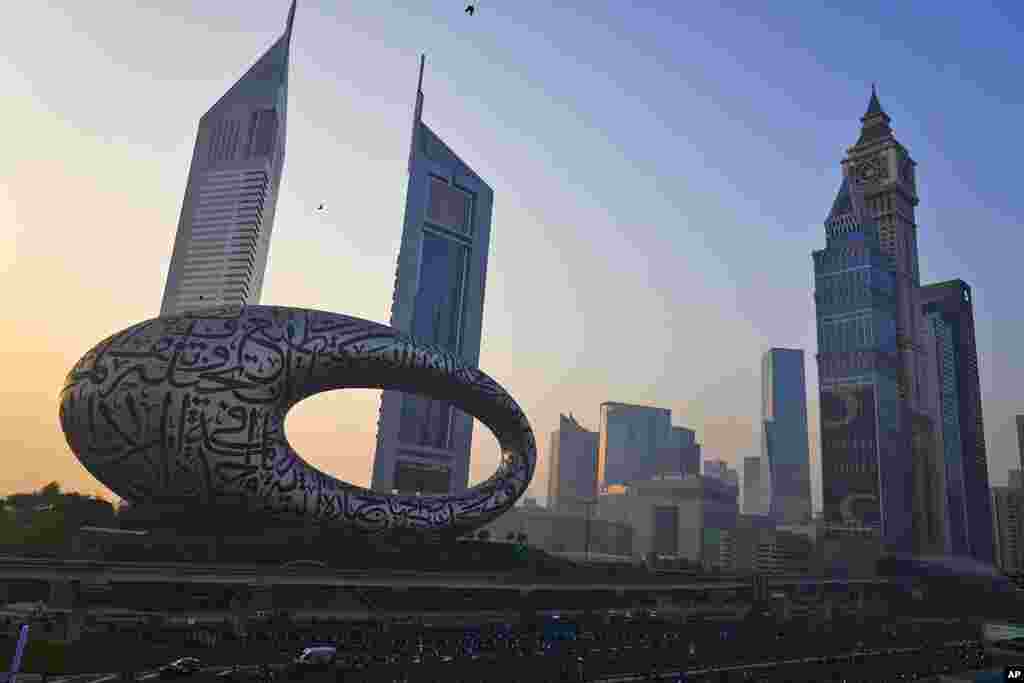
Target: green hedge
(40, 655)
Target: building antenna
(417, 113)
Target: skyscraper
(784, 445)
(220, 250)
(1008, 520)
(1020, 440)
(948, 310)
(423, 444)
(631, 439)
(572, 474)
(865, 290)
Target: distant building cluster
(903, 459)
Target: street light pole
(590, 503)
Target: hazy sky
(661, 175)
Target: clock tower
(878, 437)
(884, 172)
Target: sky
(661, 174)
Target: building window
(449, 206)
(437, 320)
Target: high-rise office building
(572, 463)
(869, 349)
(756, 489)
(1008, 520)
(784, 445)
(931, 509)
(1020, 440)
(948, 310)
(680, 454)
(631, 439)
(220, 249)
(422, 444)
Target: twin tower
(223, 238)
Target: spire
(417, 113)
(875, 122)
(291, 20)
(419, 90)
(874, 107)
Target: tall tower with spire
(869, 349)
(423, 445)
(220, 250)
(883, 171)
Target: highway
(93, 572)
(629, 678)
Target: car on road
(316, 658)
(186, 666)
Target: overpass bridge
(103, 572)
(70, 586)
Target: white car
(315, 657)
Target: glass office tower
(948, 308)
(784, 445)
(423, 445)
(866, 460)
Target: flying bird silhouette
(470, 9)
(320, 208)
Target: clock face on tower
(871, 170)
(865, 171)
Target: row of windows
(852, 287)
(847, 335)
(224, 140)
(850, 444)
(880, 204)
(862, 467)
(842, 257)
(259, 139)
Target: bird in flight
(321, 207)
(470, 9)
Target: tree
(47, 528)
(50, 491)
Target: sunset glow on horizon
(660, 180)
